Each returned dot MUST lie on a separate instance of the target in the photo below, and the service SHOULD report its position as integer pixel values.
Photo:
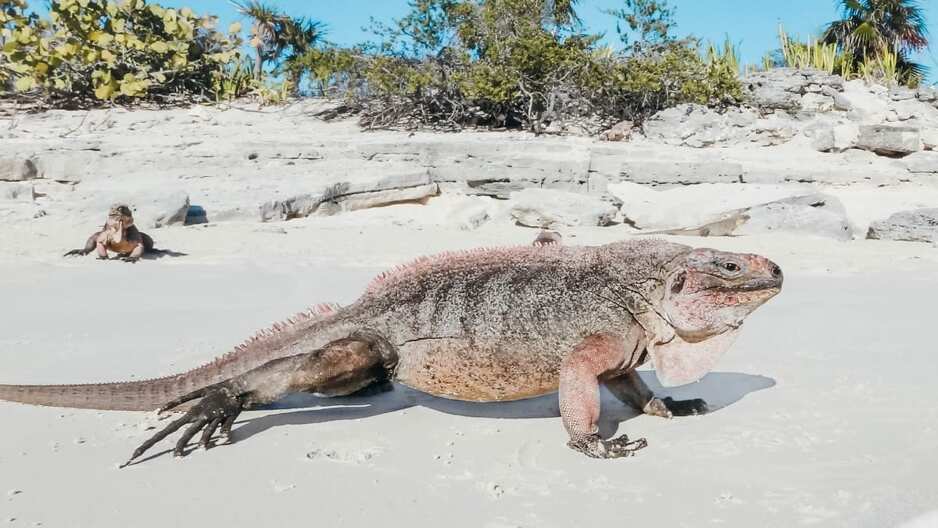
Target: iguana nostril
(776, 271)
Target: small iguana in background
(119, 235)
(481, 325)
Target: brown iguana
(119, 235)
(482, 325)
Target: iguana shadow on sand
(718, 389)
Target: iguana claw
(76, 253)
(219, 408)
(595, 447)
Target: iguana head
(707, 294)
(119, 218)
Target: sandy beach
(823, 409)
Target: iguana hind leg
(338, 369)
(630, 389)
(579, 395)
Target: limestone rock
(930, 138)
(835, 138)
(785, 88)
(922, 162)
(918, 225)
(152, 208)
(547, 208)
(813, 214)
(16, 192)
(681, 172)
(890, 140)
(697, 126)
(344, 196)
(18, 168)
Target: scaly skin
(484, 325)
(119, 235)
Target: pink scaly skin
(483, 325)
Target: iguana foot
(219, 408)
(131, 260)
(686, 407)
(668, 407)
(595, 447)
(657, 407)
(76, 253)
(99, 257)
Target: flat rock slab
(18, 168)
(16, 192)
(890, 140)
(812, 214)
(922, 162)
(547, 208)
(919, 225)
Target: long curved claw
(76, 253)
(595, 447)
(220, 407)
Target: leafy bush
(90, 51)
(514, 63)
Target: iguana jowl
(483, 325)
(119, 235)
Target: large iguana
(481, 325)
(119, 235)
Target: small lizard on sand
(119, 235)
(482, 325)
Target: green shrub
(510, 63)
(93, 51)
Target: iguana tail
(148, 395)
(127, 396)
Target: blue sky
(752, 24)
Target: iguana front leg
(135, 237)
(580, 372)
(630, 389)
(338, 369)
(90, 245)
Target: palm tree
(273, 33)
(869, 28)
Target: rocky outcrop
(547, 209)
(693, 125)
(920, 225)
(789, 89)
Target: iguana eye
(731, 266)
(678, 283)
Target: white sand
(826, 416)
